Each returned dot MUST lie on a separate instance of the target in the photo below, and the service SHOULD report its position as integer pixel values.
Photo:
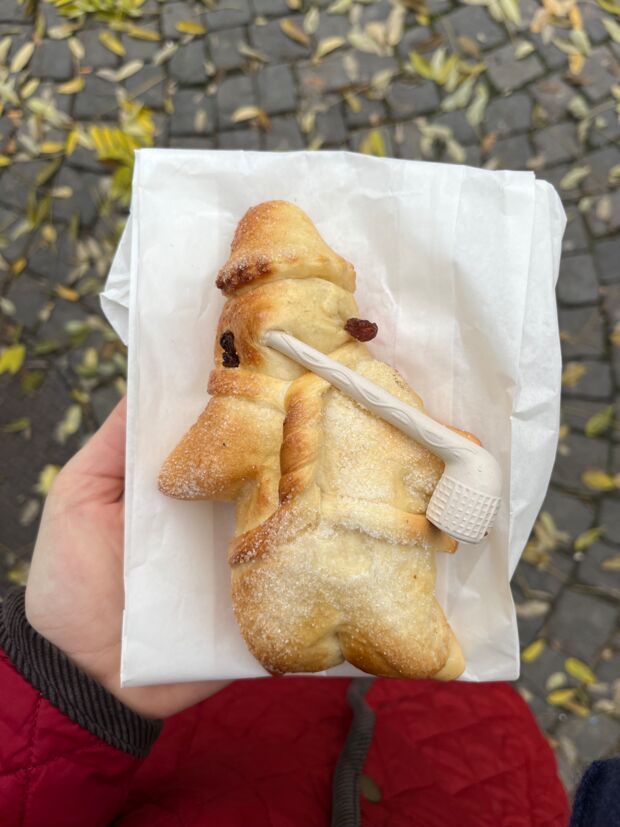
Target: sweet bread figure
(333, 557)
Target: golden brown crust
(333, 556)
(277, 240)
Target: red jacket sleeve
(68, 749)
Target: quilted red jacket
(293, 752)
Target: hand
(74, 595)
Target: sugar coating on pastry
(333, 558)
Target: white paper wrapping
(458, 268)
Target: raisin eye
(361, 329)
(230, 357)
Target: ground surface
(498, 83)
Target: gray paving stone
(53, 261)
(239, 139)
(509, 115)
(600, 162)
(437, 6)
(371, 113)
(575, 238)
(224, 48)
(577, 412)
(23, 459)
(607, 260)
(270, 8)
(51, 60)
(592, 737)
(29, 298)
(147, 86)
(284, 134)
(611, 304)
(406, 100)
(151, 7)
(10, 12)
(529, 628)
(593, 17)
(85, 199)
(194, 113)
(581, 624)
(578, 454)
(577, 283)
(334, 25)
(232, 93)
(327, 76)
(191, 142)
(137, 49)
(599, 73)
(96, 101)
(591, 572)
(557, 143)
(361, 67)
(458, 123)
(187, 64)
(581, 333)
(569, 513)
(609, 224)
(610, 518)
(7, 128)
(547, 716)
(555, 175)
(272, 40)
(63, 312)
(409, 147)
(608, 669)
(512, 153)
(378, 11)
(358, 137)
(17, 181)
(414, 40)
(508, 73)
(330, 126)
(173, 13)
(553, 57)
(95, 53)
(473, 156)
(554, 95)
(605, 128)
(474, 23)
(594, 384)
(227, 14)
(103, 401)
(82, 158)
(548, 578)
(276, 89)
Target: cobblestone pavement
(498, 83)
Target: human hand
(74, 595)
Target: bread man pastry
(333, 557)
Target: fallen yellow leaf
(294, 32)
(533, 651)
(579, 670)
(112, 43)
(598, 480)
(67, 293)
(190, 27)
(47, 476)
(72, 86)
(12, 358)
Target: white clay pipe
(466, 498)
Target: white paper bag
(458, 268)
